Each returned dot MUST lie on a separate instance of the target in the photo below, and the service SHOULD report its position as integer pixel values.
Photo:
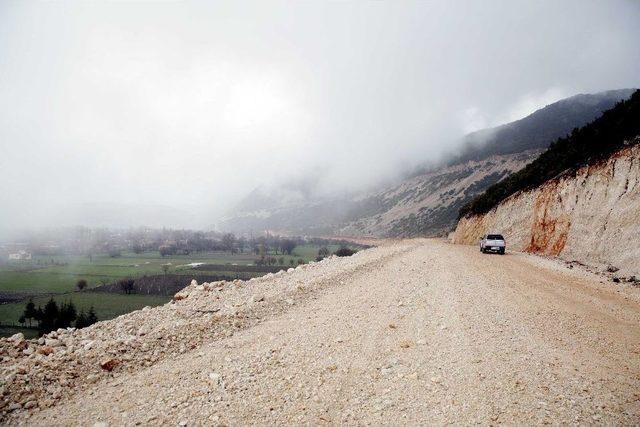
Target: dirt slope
(592, 217)
(412, 332)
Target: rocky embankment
(36, 374)
(410, 332)
(592, 216)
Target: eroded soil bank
(592, 217)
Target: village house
(20, 255)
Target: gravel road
(411, 332)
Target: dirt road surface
(412, 332)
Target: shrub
(114, 253)
(81, 320)
(323, 252)
(344, 251)
(127, 285)
(167, 250)
(91, 316)
(81, 284)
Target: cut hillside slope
(592, 216)
(425, 202)
(580, 199)
(594, 142)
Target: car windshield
(495, 237)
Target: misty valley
(319, 213)
(113, 272)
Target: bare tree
(81, 284)
(287, 246)
(323, 252)
(127, 285)
(242, 244)
(228, 241)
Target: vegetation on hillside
(542, 127)
(587, 145)
(345, 251)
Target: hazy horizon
(173, 111)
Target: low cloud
(191, 105)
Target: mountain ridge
(430, 205)
(592, 142)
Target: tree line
(90, 241)
(54, 316)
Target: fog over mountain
(117, 113)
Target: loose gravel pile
(38, 373)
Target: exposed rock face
(428, 204)
(592, 216)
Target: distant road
(411, 332)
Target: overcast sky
(191, 105)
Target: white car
(493, 243)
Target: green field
(107, 306)
(59, 275)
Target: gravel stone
(526, 340)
